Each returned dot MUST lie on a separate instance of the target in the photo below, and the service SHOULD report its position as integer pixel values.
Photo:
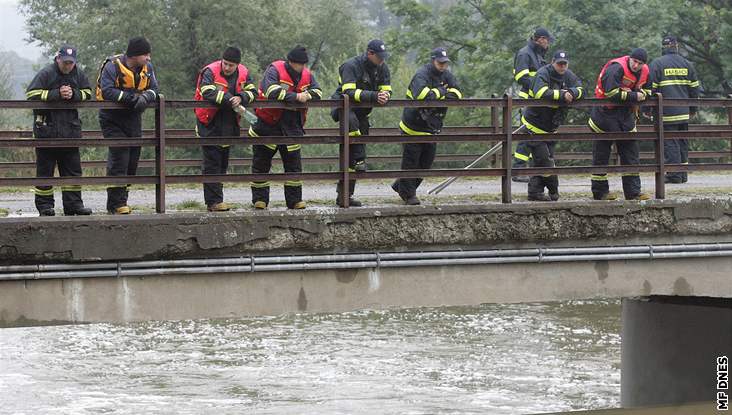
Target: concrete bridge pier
(670, 349)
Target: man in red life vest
(292, 82)
(227, 84)
(622, 80)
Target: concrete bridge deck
(503, 249)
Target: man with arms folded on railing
(526, 62)
(674, 77)
(364, 78)
(227, 84)
(622, 80)
(128, 79)
(553, 82)
(61, 80)
(291, 82)
(433, 81)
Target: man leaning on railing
(61, 80)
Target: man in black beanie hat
(364, 78)
(128, 79)
(622, 80)
(674, 77)
(227, 84)
(291, 82)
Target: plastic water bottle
(246, 114)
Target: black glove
(140, 103)
(443, 91)
(145, 99)
(150, 96)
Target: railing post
(507, 150)
(496, 129)
(160, 155)
(729, 120)
(660, 156)
(345, 152)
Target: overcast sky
(13, 33)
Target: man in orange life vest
(290, 82)
(622, 80)
(227, 84)
(130, 80)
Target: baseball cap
(67, 53)
(440, 55)
(378, 47)
(561, 56)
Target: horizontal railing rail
(498, 128)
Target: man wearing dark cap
(527, 61)
(433, 81)
(556, 83)
(228, 85)
(622, 80)
(291, 82)
(130, 80)
(674, 77)
(364, 78)
(61, 80)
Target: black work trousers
(215, 161)
(69, 164)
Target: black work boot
(78, 211)
(351, 202)
(47, 212)
(539, 197)
(412, 201)
(395, 187)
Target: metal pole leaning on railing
(507, 150)
(345, 152)
(443, 185)
(660, 156)
(160, 155)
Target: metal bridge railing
(493, 131)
